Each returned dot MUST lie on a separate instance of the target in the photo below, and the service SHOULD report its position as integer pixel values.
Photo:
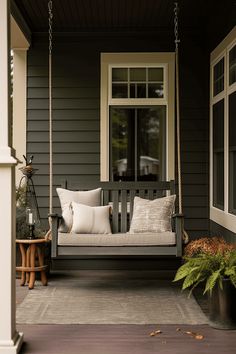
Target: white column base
(14, 346)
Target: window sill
(223, 218)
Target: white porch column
(19, 105)
(10, 340)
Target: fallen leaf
(190, 333)
(154, 333)
(199, 336)
(195, 335)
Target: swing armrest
(177, 215)
(179, 229)
(55, 217)
(55, 220)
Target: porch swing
(115, 206)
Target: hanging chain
(177, 41)
(50, 16)
(176, 25)
(176, 10)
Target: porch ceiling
(121, 15)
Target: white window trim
(166, 60)
(222, 217)
(139, 101)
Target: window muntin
(137, 82)
(137, 143)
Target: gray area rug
(76, 298)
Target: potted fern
(212, 262)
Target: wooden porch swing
(71, 246)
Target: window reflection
(232, 65)
(137, 82)
(218, 155)
(218, 78)
(137, 146)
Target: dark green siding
(218, 230)
(76, 113)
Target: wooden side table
(30, 250)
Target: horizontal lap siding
(76, 124)
(218, 230)
(194, 137)
(76, 115)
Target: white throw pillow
(90, 220)
(91, 198)
(152, 215)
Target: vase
(222, 306)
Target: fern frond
(183, 271)
(191, 279)
(233, 280)
(211, 281)
(230, 271)
(232, 259)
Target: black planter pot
(222, 306)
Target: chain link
(176, 25)
(50, 17)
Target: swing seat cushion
(120, 239)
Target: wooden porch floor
(123, 339)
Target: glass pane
(137, 90)
(232, 179)
(232, 119)
(119, 74)
(141, 90)
(137, 74)
(132, 92)
(122, 162)
(218, 77)
(151, 143)
(137, 143)
(218, 155)
(155, 91)
(232, 65)
(155, 74)
(119, 90)
(218, 180)
(232, 153)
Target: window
(218, 154)
(218, 77)
(137, 116)
(223, 133)
(232, 65)
(137, 140)
(232, 152)
(137, 82)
